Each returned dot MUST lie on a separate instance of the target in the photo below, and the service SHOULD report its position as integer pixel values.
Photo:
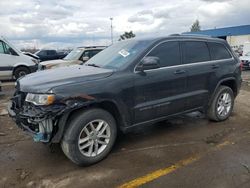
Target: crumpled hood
(43, 81)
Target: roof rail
(195, 35)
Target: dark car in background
(45, 55)
(131, 83)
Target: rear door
(200, 72)
(161, 92)
(222, 62)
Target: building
(236, 36)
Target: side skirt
(153, 121)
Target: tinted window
(86, 54)
(7, 49)
(168, 53)
(195, 51)
(41, 53)
(218, 51)
(94, 52)
(1, 47)
(51, 52)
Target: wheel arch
(108, 105)
(230, 82)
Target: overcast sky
(70, 23)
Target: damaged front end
(45, 123)
(38, 121)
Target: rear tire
(90, 137)
(20, 72)
(222, 104)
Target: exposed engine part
(45, 131)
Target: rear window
(195, 51)
(218, 51)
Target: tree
(127, 35)
(196, 26)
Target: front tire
(222, 104)
(90, 137)
(20, 72)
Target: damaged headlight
(40, 99)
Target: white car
(245, 60)
(13, 63)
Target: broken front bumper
(39, 122)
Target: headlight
(40, 99)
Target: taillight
(241, 65)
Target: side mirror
(85, 58)
(149, 62)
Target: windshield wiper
(93, 65)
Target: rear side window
(218, 51)
(195, 51)
(168, 53)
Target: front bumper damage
(41, 122)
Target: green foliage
(196, 26)
(127, 35)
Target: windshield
(74, 54)
(119, 54)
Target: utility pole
(111, 20)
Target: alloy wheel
(94, 138)
(224, 104)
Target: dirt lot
(188, 151)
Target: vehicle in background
(13, 63)
(45, 55)
(62, 54)
(246, 48)
(129, 84)
(245, 61)
(77, 56)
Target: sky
(72, 23)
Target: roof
(226, 31)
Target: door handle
(179, 72)
(215, 66)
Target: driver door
(161, 92)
